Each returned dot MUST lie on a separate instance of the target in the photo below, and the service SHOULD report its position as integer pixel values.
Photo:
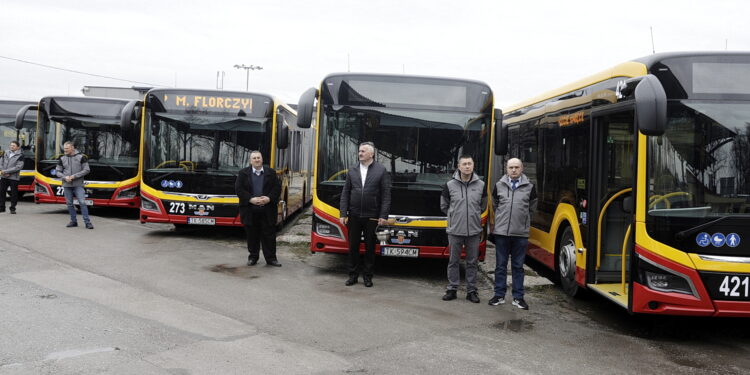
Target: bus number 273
(735, 286)
(176, 207)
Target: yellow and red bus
(643, 178)
(420, 126)
(196, 141)
(24, 134)
(94, 125)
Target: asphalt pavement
(131, 298)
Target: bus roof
(635, 68)
(381, 75)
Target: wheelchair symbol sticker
(703, 239)
(733, 239)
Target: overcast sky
(520, 48)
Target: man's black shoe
(89, 226)
(72, 224)
(351, 280)
(252, 262)
(274, 263)
(449, 295)
(520, 303)
(472, 297)
(496, 300)
(12, 212)
(368, 282)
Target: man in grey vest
(71, 168)
(463, 200)
(514, 200)
(11, 163)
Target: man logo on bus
(733, 240)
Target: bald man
(514, 200)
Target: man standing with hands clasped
(71, 168)
(365, 203)
(11, 163)
(258, 189)
(514, 200)
(463, 200)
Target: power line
(78, 72)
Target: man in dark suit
(365, 203)
(259, 188)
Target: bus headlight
(326, 228)
(129, 193)
(661, 279)
(40, 189)
(149, 205)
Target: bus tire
(566, 262)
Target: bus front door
(613, 169)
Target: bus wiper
(683, 234)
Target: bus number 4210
(730, 286)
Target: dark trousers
(515, 247)
(4, 184)
(261, 233)
(356, 227)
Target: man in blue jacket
(365, 204)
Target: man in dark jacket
(71, 168)
(463, 200)
(11, 163)
(514, 200)
(365, 203)
(258, 189)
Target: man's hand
(382, 221)
(69, 178)
(343, 220)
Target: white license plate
(88, 202)
(408, 252)
(201, 220)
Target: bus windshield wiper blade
(683, 234)
(164, 175)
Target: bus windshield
(420, 149)
(700, 167)
(112, 153)
(201, 153)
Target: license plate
(87, 202)
(408, 252)
(201, 220)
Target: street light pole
(247, 68)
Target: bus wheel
(566, 263)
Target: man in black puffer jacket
(365, 204)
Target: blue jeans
(80, 193)
(516, 248)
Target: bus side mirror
(282, 133)
(305, 108)
(501, 134)
(651, 106)
(129, 114)
(21, 114)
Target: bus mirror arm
(22, 113)
(305, 108)
(501, 134)
(651, 106)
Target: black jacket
(271, 189)
(371, 201)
